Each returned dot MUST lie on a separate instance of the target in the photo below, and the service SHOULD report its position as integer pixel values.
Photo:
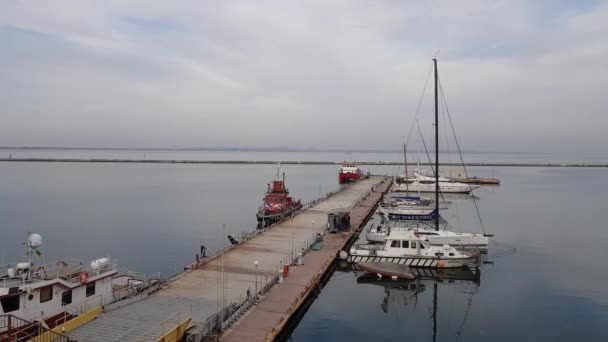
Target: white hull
(410, 248)
(446, 187)
(436, 238)
(416, 261)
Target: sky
(517, 75)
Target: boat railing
(99, 300)
(65, 269)
(13, 328)
(169, 323)
(369, 247)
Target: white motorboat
(378, 234)
(409, 248)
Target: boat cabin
(34, 293)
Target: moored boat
(378, 234)
(35, 291)
(422, 183)
(386, 269)
(277, 203)
(410, 249)
(349, 173)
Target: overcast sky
(518, 75)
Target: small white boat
(409, 248)
(427, 184)
(378, 234)
(387, 270)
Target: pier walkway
(200, 292)
(268, 318)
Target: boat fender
(83, 277)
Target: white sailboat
(421, 183)
(414, 248)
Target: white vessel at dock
(378, 234)
(38, 292)
(407, 208)
(409, 248)
(422, 183)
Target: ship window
(439, 254)
(421, 245)
(413, 244)
(66, 297)
(90, 289)
(404, 244)
(451, 254)
(395, 243)
(46, 294)
(10, 303)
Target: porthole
(30, 297)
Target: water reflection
(413, 295)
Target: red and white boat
(349, 172)
(277, 203)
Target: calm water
(154, 217)
(553, 288)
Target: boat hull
(416, 261)
(344, 178)
(266, 220)
(410, 215)
(443, 187)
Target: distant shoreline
(285, 162)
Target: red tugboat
(349, 172)
(277, 203)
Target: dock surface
(268, 318)
(201, 291)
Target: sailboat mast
(405, 160)
(436, 148)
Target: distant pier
(290, 162)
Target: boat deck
(195, 292)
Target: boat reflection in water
(409, 293)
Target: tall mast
(436, 149)
(405, 160)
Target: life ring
(83, 277)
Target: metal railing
(65, 269)
(18, 329)
(165, 326)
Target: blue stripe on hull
(428, 217)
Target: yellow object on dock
(70, 325)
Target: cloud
(343, 74)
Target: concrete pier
(230, 281)
(269, 317)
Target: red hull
(348, 177)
